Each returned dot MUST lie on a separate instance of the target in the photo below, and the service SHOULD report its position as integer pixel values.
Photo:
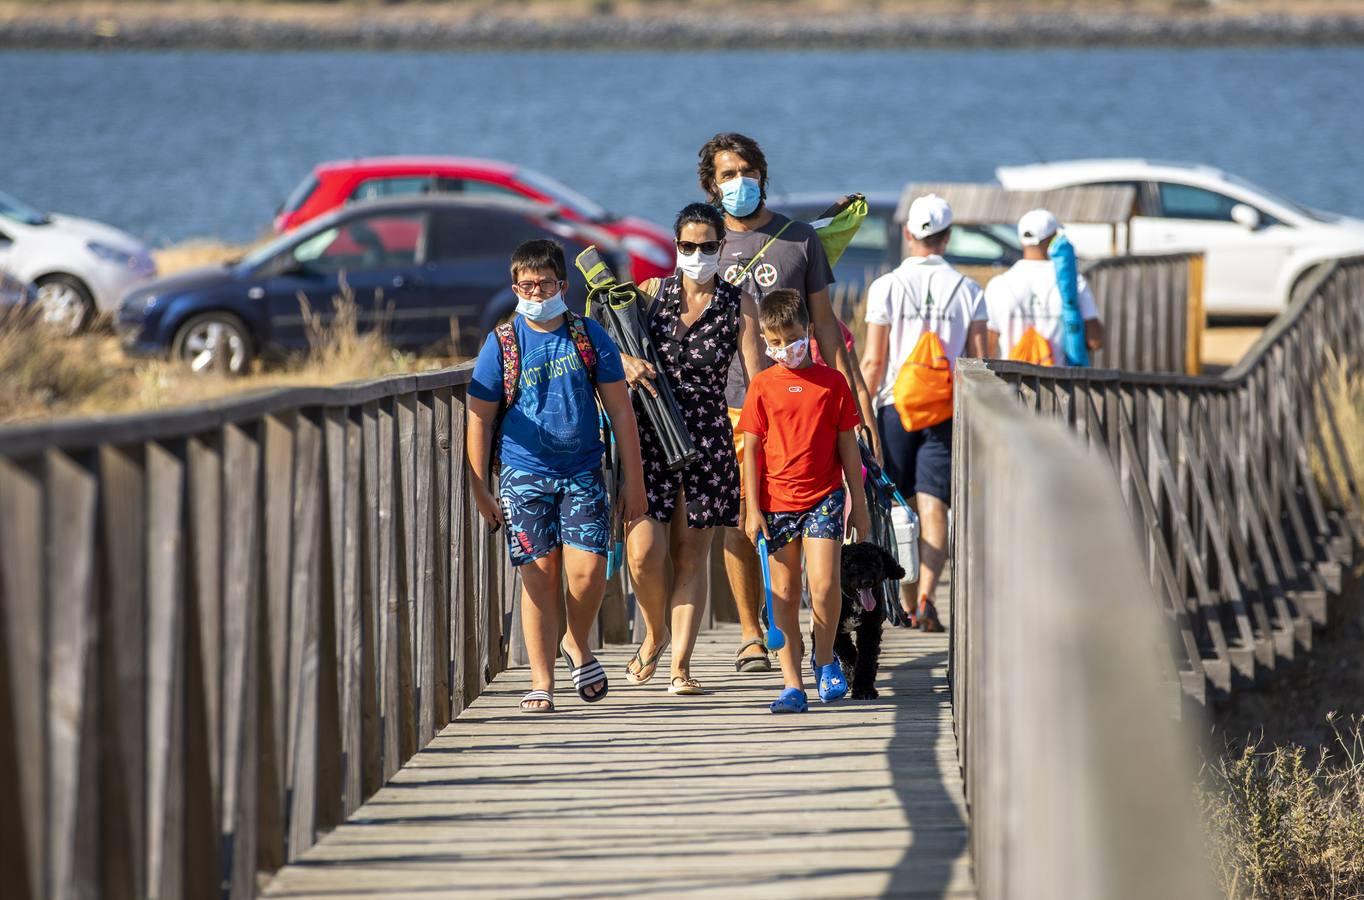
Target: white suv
(80, 268)
(1257, 243)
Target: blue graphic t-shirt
(553, 429)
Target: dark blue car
(426, 268)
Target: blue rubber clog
(792, 700)
(832, 685)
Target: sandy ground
(1224, 346)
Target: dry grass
(46, 375)
(199, 252)
(1344, 392)
(1285, 827)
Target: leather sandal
(752, 662)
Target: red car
(333, 184)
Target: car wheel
(64, 303)
(214, 342)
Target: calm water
(173, 145)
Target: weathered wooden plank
(203, 536)
(405, 525)
(277, 502)
(304, 637)
(390, 637)
(461, 553)
(72, 751)
(23, 727)
(123, 674)
(424, 568)
(444, 454)
(371, 608)
(344, 444)
(166, 576)
(241, 678)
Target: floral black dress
(696, 361)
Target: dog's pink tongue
(867, 598)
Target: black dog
(865, 568)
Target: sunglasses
(687, 248)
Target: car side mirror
(1248, 217)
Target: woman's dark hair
(700, 214)
(743, 145)
(539, 254)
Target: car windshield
(268, 251)
(1305, 211)
(564, 195)
(19, 211)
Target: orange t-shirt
(798, 414)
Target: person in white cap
(1027, 299)
(921, 317)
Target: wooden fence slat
(371, 608)
(444, 454)
(304, 638)
(390, 715)
(123, 675)
(277, 501)
(23, 682)
(423, 605)
(72, 745)
(166, 575)
(240, 672)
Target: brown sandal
(755, 662)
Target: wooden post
(1194, 309)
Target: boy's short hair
(539, 254)
(781, 308)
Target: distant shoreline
(425, 28)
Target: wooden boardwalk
(651, 794)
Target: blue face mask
(544, 310)
(740, 196)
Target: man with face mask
(765, 251)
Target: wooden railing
(223, 628)
(1152, 310)
(1239, 542)
(1077, 775)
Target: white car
(80, 268)
(1257, 244)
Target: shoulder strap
(577, 330)
(759, 255)
(511, 363)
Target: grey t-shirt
(795, 260)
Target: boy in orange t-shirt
(798, 422)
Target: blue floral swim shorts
(543, 512)
(823, 520)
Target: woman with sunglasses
(697, 322)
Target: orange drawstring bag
(1032, 348)
(923, 387)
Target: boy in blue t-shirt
(551, 497)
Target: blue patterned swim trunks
(543, 512)
(823, 520)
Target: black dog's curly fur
(864, 566)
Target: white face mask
(544, 310)
(792, 355)
(698, 266)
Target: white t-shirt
(1026, 295)
(922, 293)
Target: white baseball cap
(1036, 226)
(928, 215)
